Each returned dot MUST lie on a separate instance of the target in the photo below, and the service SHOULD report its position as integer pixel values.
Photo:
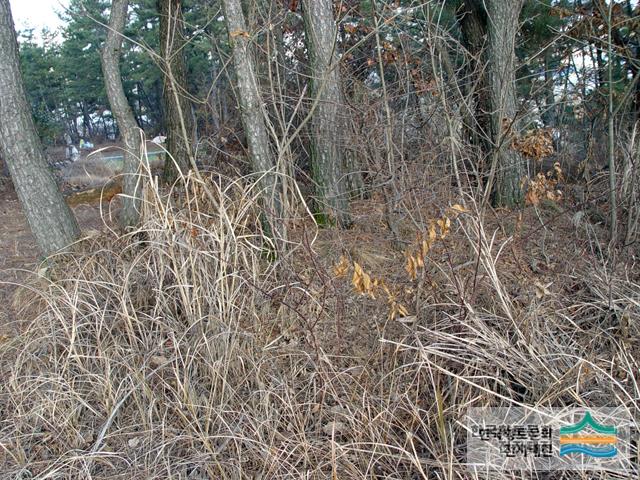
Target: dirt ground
(19, 255)
(543, 240)
(545, 261)
(18, 252)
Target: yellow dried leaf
(397, 310)
(411, 267)
(342, 267)
(432, 234)
(445, 225)
(356, 279)
(457, 209)
(362, 281)
(366, 283)
(239, 33)
(425, 247)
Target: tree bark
(121, 110)
(473, 24)
(87, 124)
(549, 117)
(177, 107)
(327, 120)
(507, 163)
(251, 106)
(51, 220)
(611, 153)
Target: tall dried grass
(164, 353)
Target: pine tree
(177, 106)
(327, 157)
(52, 222)
(122, 111)
(251, 107)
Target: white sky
(37, 13)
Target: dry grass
(181, 351)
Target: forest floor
(307, 367)
(545, 247)
(19, 255)
(18, 252)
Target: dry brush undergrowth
(182, 350)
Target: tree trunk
(87, 124)
(72, 125)
(177, 107)
(473, 24)
(51, 220)
(611, 153)
(327, 119)
(507, 163)
(215, 116)
(251, 106)
(122, 113)
(4, 170)
(550, 114)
